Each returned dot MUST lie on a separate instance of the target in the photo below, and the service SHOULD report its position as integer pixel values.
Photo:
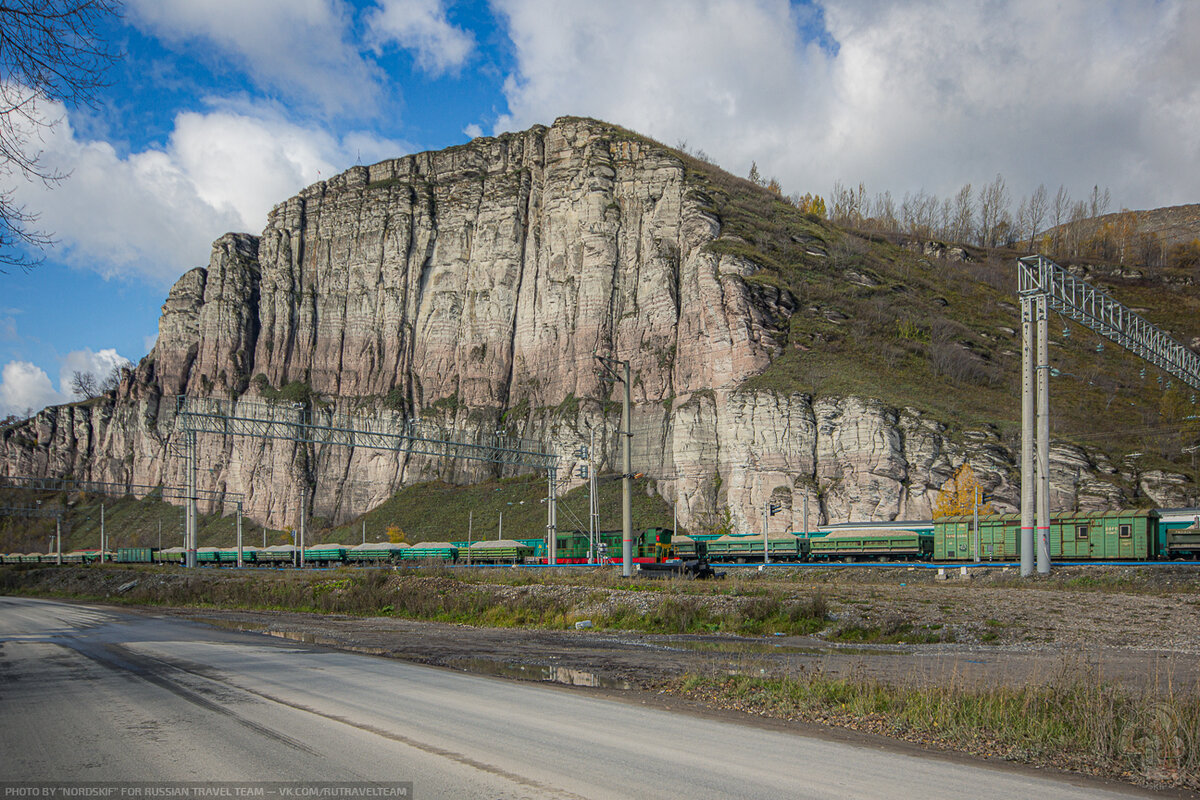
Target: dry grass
(1076, 722)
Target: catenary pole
(190, 530)
(975, 523)
(1028, 475)
(1043, 437)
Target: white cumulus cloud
(421, 27)
(25, 388)
(99, 364)
(301, 49)
(155, 213)
(901, 95)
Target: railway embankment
(1093, 669)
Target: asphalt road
(91, 694)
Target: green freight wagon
(734, 548)
(430, 551)
(749, 547)
(325, 554)
(1182, 543)
(684, 546)
(498, 551)
(1085, 536)
(999, 534)
(171, 555)
(376, 552)
(208, 555)
(228, 555)
(861, 544)
(134, 555)
(277, 555)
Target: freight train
(1137, 535)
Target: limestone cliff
(474, 286)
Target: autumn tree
(51, 51)
(958, 495)
(810, 204)
(395, 534)
(1186, 255)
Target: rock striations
(473, 286)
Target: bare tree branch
(50, 51)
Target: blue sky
(222, 108)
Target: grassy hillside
(878, 319)
(425, 512)
(127, 523)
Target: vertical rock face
(474, 286)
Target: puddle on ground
(326, 641)
(754, 646)
(291, 636)
(538, 672)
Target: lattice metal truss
(323, 426)
(1092, 308)
(112, 489)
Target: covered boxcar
(1130, 535)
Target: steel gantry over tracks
(1044, 286)
(35, 484)
(307, 425)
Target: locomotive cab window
(1125, 531)
(1081, 531)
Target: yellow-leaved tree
(958, 495)
(395, 534)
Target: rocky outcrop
(473, 287)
